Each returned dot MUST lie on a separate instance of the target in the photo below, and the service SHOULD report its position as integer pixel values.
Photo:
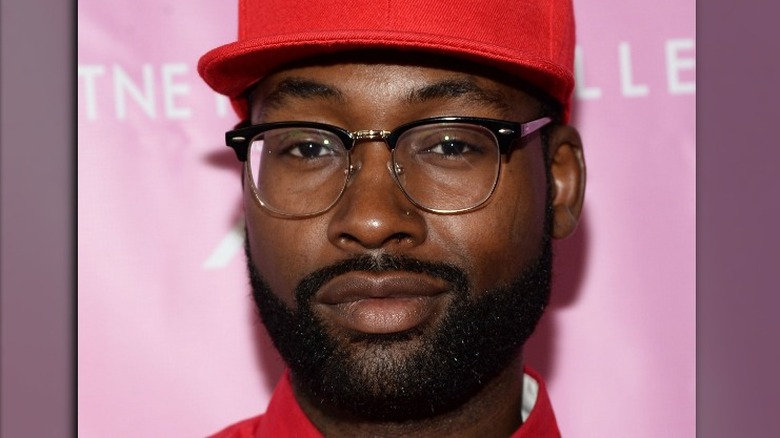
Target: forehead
(382, 83)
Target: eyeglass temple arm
(534, 125)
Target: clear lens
(442, 167)
(297, 171)
(447, 166)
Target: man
(407, 165)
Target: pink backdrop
(168, 344)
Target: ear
(567, 170)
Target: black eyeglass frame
(505, 132)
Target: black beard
(416, 374)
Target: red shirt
(284, 417)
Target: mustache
(310, 284)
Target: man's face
(381, 309)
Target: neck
(494, 411)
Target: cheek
(499, 240)
(525, 199)
(282, 250)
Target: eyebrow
(460, 88)
(291, 88)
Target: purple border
(37, 298)
(738, 209)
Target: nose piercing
(352, 169)
(399, 170)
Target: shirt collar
(284, 416)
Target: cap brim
(232, 68)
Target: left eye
(451, 148)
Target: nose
(373, 213)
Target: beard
(416, 374)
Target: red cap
(531, 39)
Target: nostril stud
(399, 170)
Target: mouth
(385, 303)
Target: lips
(381, 303)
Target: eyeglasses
(443, 164)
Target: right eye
(306, 143)
(309, 149)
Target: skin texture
(492, 244)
